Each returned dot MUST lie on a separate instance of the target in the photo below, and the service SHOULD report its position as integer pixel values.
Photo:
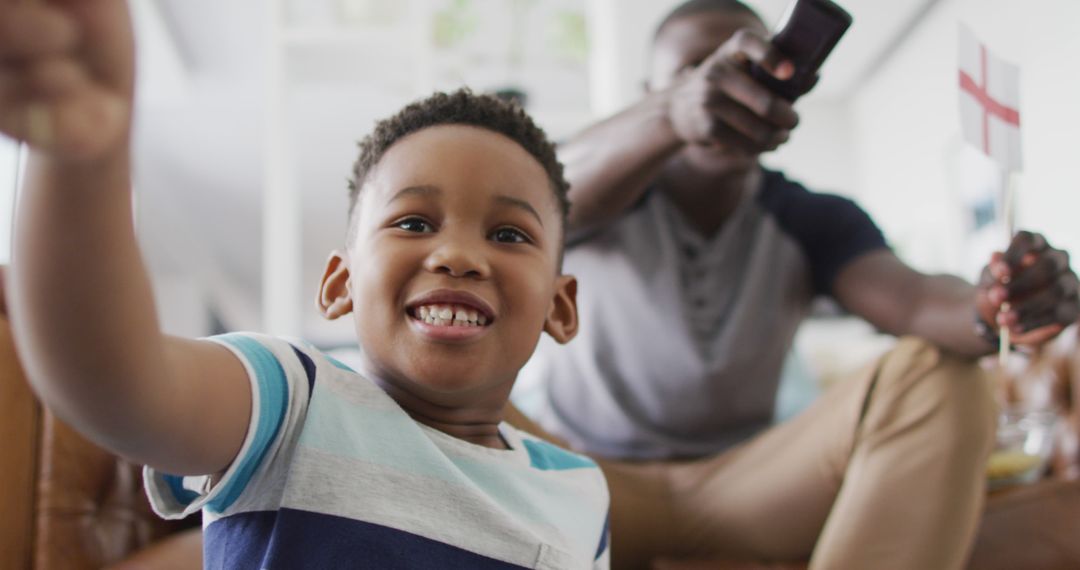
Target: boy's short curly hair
(462, 107)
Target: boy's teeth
(450, 315)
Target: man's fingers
(725, 135)
(748, 46)
(728, 66)
(764, 135)
(29, 30)
(1037, 337)
(995, 293)
(782, 114)
(737, 84)
(1023, 243)
(1041, 270)
(1025, 312)
(1062, 314)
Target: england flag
(989, 102)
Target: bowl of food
(1024, 442)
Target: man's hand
(66, 75)
(1038, 285)
(718, 103)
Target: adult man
(696, 267)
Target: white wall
(820, 153)
(906, 128)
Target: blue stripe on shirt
(293, 538)
(309, 369)
(603, 537)
(273, 390)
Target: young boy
(451, 269)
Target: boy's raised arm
(80, 300)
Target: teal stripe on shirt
(179, 493)
(547, 457)
(273, 390)
(337, 363)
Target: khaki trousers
(886, 470)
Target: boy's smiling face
(452, 270)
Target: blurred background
(249, 114)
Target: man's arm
(612, 163)
(899, 300)
(1032, 276)
(80, 300)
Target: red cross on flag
(989, 102)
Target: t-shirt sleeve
(281, 378)
(831, 230)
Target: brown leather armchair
(69, 504)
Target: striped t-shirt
(334, 474)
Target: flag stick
(1009, 216)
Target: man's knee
(951, 394)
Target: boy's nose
(458, 259)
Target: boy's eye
(509, 235)
(415, 225)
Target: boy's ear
(334, 292)
(562, 319)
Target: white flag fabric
(989, 102)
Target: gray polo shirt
(683, 338)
